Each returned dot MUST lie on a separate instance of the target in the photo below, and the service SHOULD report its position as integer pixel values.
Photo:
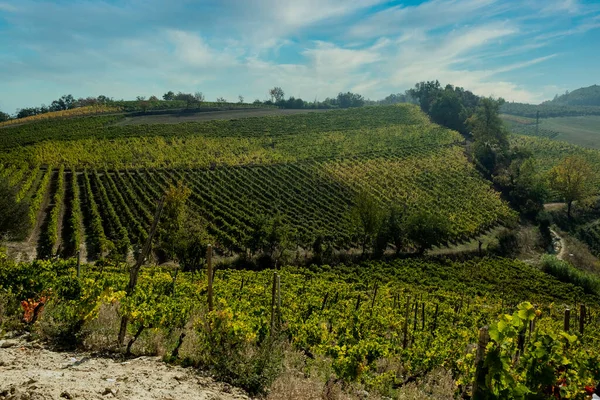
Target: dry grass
(578, 254)
(101, 332)
(437, 385)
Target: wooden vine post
(582, 312)
(481, 370)
(567, 319)
(135, 270)
(274, 300)
(210, 276)
(78, 263)
(406, 315)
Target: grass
(582, 131)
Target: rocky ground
(30, 371)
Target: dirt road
(30, 371)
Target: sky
(526, 51)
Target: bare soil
(176, 118)
(31, 371)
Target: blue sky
(521, 50)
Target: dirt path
(30, 371)
(560, 247)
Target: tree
(4, 116)
(270, 236)
(187, 97)
(198, 97)
(140, 98)
(276, 94)
(426, 229)
(573, 180)
(349, 99)
(169, 96)
(367, 217)
(241, 99)
(221, 100)
(425, 93)
(65, 102)
(12, 213)
(180, 236)
(447, 110)
(522, 184)
(153, 98)
(490, 139)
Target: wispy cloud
(312, 48)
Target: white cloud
(7, 7)
(194, 51)
(425, 16)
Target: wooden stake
(480, 372)
(78, 263)
(423, 317)
(405, 340)
(582, 311)
(209, 275)
(437, 306)
(324, 303)
(567, 319)
(273, 300)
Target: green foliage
(49, 237)
(426, 229)
(230, 348)
(319, 314)
(573, 179)
(565, 272)
(12, 211)
(490, 138)
(368, 218)
(552, 364)
(36, 203)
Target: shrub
(564, 272)
(232, 352)
(508, 244)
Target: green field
(582, 131)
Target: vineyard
(364, 320)
(103, 182)
(548, 153)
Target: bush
(564, 272)
(508, 244)
(61, 324)
(233, 353)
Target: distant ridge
(587, 96)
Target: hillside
(307, 169)
(586, 96)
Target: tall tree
(169, 96)
(573, 180)
(490, 138)
(276, 94)
(4, 116)
(349, 99)
(447, 109)
(367, 217)
(426, 229)
(426, 93)
(181, 237)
